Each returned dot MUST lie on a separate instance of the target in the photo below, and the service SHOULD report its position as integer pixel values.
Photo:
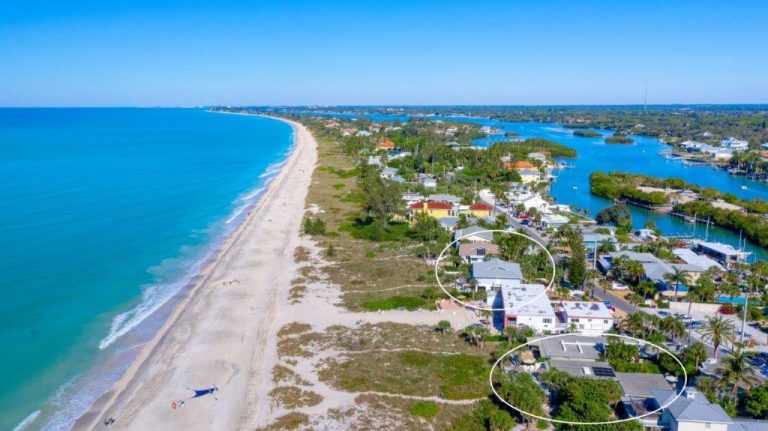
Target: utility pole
(744, 317)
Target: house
(691, 412)
(589, 318)
(571, 348)
(363, 133)
(691, 258)
(473, 234)
(437, 210)
(428, 181)
(527, 306)
(645, 234)
(593, 240)
(734, 144)
(528, 176)
(410, 197)
(455, 200)
(519, 165)
(494, 274)
(554, 221)
(725, 254)
(386, 144)
(532, 201)
(474, 252)
(388, 173)
(604, 263)
(374, 161)
(449, 223)
(480, 209)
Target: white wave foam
(254, 194)
(151, 300)
(237, 212)
(27, 421)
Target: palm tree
(678, 277)
(673, 326)
(718, 330)
(736, 371)
(635, 270)
(634, 323)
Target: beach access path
(224, 333)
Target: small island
(584, 133)
(619, 138)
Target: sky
(186, 53)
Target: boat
(574, 187)
(744, 187)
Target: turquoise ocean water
(105, 216)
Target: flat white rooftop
(527, 300)
(579, 309)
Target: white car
(619, 286)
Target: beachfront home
(473, 234)
(363, 133)
(494, 274)
(526, 306)
(448, 223)
(474, 252)
(588, 318)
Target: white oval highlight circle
(511, 232)
(523, 412)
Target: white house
(527, 305)
(554, 221)
(690, 412)
(735, 144)
(588, 318)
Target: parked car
(663, 313)
(609, 305)
(695, 324)
(618, 286)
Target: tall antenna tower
(645, 97)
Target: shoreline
(107, 403)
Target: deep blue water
(105, 215)
(641, 157)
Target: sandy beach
(224, 332)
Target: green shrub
(424, 409)
(314, 226)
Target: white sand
(224, 334)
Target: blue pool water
(106, 215)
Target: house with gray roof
(474, 234)
(495, 273)
(691, 411)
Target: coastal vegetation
(739, 215)
(670, 123)
(585, 133)
(619, 138)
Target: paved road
(512, 221)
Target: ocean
(106, 215)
